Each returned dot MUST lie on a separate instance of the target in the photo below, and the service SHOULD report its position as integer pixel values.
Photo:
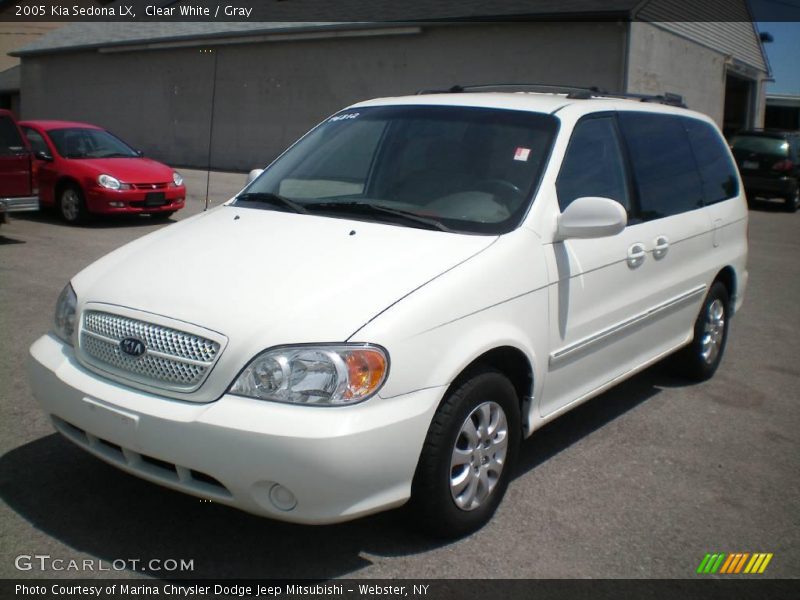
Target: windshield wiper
(367, 208)
(116, 155)
(275, 199)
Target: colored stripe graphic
(734, 563)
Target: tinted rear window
(666, 173)
(760, 144)
(717, 170)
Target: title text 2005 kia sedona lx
(387, 310)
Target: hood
(264, 278)
(129, 170)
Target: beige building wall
(659, 62)
(16, 35)
(269, 93)
(664, 61)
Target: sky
(784, 56)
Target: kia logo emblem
(132, 346)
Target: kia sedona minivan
(383, 314)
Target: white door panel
(612, 314)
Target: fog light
(117, 204)
(282, 497)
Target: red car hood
(130, 170)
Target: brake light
(783, 165)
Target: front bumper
(339, 462)
(107, 202)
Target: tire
(450, 498)
(793, 201)
(699, 360)
(72, 205)
(162, 216)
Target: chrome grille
(173, 359)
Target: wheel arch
(63, 182)
(517, 366)
(727, 277)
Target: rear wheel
(72, 206)
(793, 201)
(468, 456)
(699, 360)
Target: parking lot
(642, 481)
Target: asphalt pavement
(642, 481)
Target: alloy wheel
(478, 456)
(70, 205)
(713, 331)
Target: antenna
(211, 124)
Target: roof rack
(572, 92)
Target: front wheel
(468, 456)
(72, 206)
(699, 360)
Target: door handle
(636, 255)
(661, 247)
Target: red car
(84, 169)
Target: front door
(15, 161)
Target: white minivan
(412, 288)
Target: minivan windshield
(450, 168)
(79, 142)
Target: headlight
(176, 178)
(109, 182)
(318, 375)
(64, 322)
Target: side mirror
(42, 155)
(139, 153)
(253, 174)
(591, 217)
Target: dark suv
(769, 162)
(18, 189)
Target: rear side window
(593, 164)
(713, 161)
(10, 140)
(663, 163)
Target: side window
(716, 167)
(663, 164)
(593, 164)
(36, 140)
(10, 141)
